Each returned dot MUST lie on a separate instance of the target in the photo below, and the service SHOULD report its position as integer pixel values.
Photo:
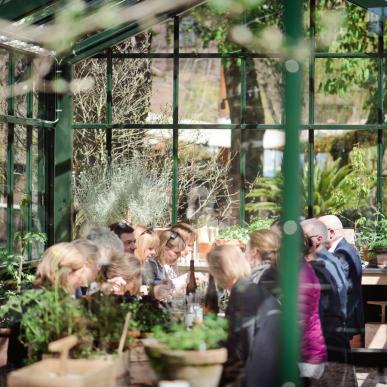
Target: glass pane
(142, 90)
(90, 104)
(264, 91)
(205, 185)
(136, 188)
(21, 76)
(209, 91)
(203, 30)
(264, 152)
(345, 28)
(3, 186)
(158, 39)
(345, 174)
(20, 179)
(3, 80)
(346, 91)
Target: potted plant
(371, 236)
(196, 355)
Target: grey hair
(107, 242)
(315, 226)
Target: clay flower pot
(199, 368)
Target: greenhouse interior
(193, 193)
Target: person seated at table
(68, 265)
(155, 273)
(262, 252)
(108, 243)
(188, 234)
(123, 276)
(126, 233)
(147, 242)
(253, 315)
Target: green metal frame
(55, 129)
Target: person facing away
(351, 263)
(126, 233)
(253, 315)
(318, 233)
(313, 349)
(262, 254)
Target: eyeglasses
(174, 235)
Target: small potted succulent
(371, 237)
(195, 355)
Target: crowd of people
(125, 260)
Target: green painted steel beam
(242, 140)
(312, 64)
(17, 9)
(29, 161)
(10, 153)
(128, 126)
(26, 121)
(367, 4)
(175, 118)
(290, 251)
(107, 38)
(380, 150)
(215, 55)
(109, 104)
(62, 203)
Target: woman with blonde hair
(69, 265)
(147, 242)
(252, 314)
(262, 252)
(188, 233)
(123, 275)
(168, 252)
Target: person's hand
(163, 291)
(118, 285)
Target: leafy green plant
(209, 335)
(371, 233)
(45, 316)
(147, 313)
(335, 188)
(242, 233)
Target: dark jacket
(348, 254)
(248, 306)
(331, 316)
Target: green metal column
(380, 150)
(175, 139)
(242, 139)
(312, 32)
(10, 152)
(290, 252)
(109, 104)
(28, 187)
(63, 155)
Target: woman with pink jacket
(313, 349)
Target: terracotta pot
(204, 249)
(199, 368)
(381, 257)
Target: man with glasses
(351, 263)
(126, 234)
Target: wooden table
(374, 277)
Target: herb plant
(210, 334)
(242, 233)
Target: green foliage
(372, 232)
(242, 233)
(147, 314)
(45, 316)
(335, 188)
(209, 335)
